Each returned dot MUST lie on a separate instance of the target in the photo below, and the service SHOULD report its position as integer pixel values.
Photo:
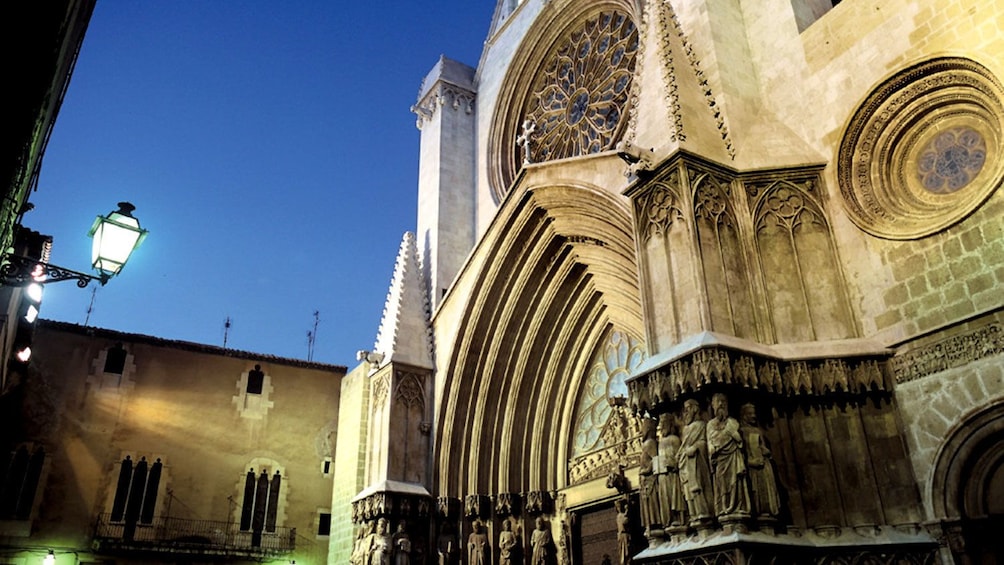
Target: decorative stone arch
(968, 462)
(545, 37)
(560, 268)
(967, 482)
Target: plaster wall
(180, 406)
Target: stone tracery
(580, 94)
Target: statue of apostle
(540, 541)
(673, 504)
(648, 497)
(477, 545)
(507, 544)
(725, 448)
(763, 482)
(693, 459)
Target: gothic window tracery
(580, 95)
(612, 363)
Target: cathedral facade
(714, 281)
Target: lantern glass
(115, 237)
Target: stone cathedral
(694, 281)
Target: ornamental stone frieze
(477, 506)
(507, 504)
(717, 366)
(443, 95)
(949, 352)
(390, 505)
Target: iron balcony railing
(178, 535)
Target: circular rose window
(574, 100)
(924, 149)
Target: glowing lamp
(50, 559)
(115, 236)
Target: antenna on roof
(312, 336)
(90, 307)
(226, 331)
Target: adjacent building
(135, 449)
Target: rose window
(579, 99)
(949, 161)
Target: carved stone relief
(923, 150)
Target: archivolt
(559, 269)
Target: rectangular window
(324, 524)
(20, 471)
(326, 466)
(256, 381)
(115, 359)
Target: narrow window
(20, 472)
(136, 491)
(256, 380)
(324, 524)
(326, 466)
(260, 509)
(115, 359)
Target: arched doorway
(968, 487)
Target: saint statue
(402, 545)
(693, 459)
(651, 513)
(673, 504)
(446, 545)
(359, 548)
(477, 545)
(507, 544)
(623, 532)
(763, 482)
(725, 448)
(540, 541)
(381, 544)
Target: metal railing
(166, 534)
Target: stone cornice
(441, 94)
(809, 369)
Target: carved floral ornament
(716, 366)
(924, 150)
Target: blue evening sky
(267, 146)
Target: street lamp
(115, 237)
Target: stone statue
(477, 545)
(526, 139)
(763, 482)
(674, 505)
(381, 545)
(507, 544)
(725, 449)
(359, 548)
(693, 458)
(648, 497)
(623, 532)
(402, 545)
(540, 541)
(446, 545)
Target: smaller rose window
(952, 159)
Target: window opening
(20, 472)
(136, 494)
(324, 524)
(261, 504)
(256, 380)
(115, 359)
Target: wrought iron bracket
(17, 270)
